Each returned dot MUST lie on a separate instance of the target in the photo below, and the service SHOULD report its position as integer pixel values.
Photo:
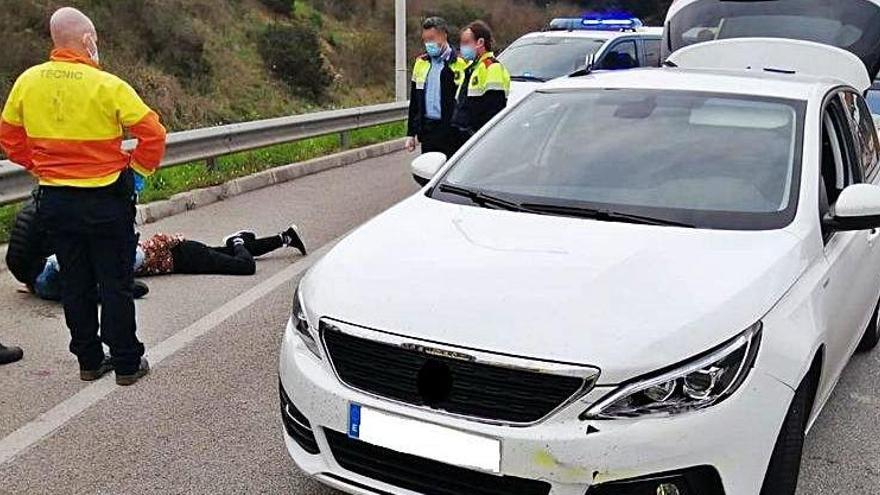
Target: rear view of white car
(614, 43)
(632, 283)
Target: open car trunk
(853, 25)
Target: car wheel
(872, 333)
(785, 463)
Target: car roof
(647, 32)
(741, 82)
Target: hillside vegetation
(207, 62)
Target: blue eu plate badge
(354, 421)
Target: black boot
(140, 289)
(10, 354)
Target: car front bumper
(734, 438)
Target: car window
(840, 167)
(621, 55)
(713, 160)
(862, 122)
(652, 52)
(548, 57)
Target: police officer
(436, 76)
(486, 83)
(64, 122)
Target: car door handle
(873, 234)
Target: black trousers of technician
(92, 230)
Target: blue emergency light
(607, 21)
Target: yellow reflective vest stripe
(423, 66)
(488, 75)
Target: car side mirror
(857, 208)
(425, 167)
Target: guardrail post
(345, 140)
(211, 163)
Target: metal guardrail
(212, 142)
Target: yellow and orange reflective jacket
(64, 121)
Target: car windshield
(548, 57)
(853, 25)
(706, 160)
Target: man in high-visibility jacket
(64, 122)
(435, 78)
(483, 90)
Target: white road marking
(50, 421)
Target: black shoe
(245, 236)
(140, 289)
(142, 371)
(292, 239)
(92, 375)
(10, 354)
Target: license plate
(426, 440)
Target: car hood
(521, 89)
(626, 298)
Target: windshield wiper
(604, 215)
(482, 199)
(524, 78)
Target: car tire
(872, 333)
(785, 463)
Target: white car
(565, 47)
(633, 282)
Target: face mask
(468, 52)
(433, 49)
(92, 48)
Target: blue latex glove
(140, 183)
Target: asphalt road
(206, 420)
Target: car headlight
(299, 322)
(697, 384)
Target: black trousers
(436, 136)
(195, 258)
(92, 230)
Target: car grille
(479, 390)
(296, 425)
(423, 475)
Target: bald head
(73, 30)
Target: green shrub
(375, 55)
(293, 53)
(283, 7)
(342, 9)
(459, 13)
(173, 42)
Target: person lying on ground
(165, 254)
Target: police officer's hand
(411, 143)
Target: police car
(610, 42)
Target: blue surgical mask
(468, 53)
(433, 49)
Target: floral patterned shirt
(158, 259)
